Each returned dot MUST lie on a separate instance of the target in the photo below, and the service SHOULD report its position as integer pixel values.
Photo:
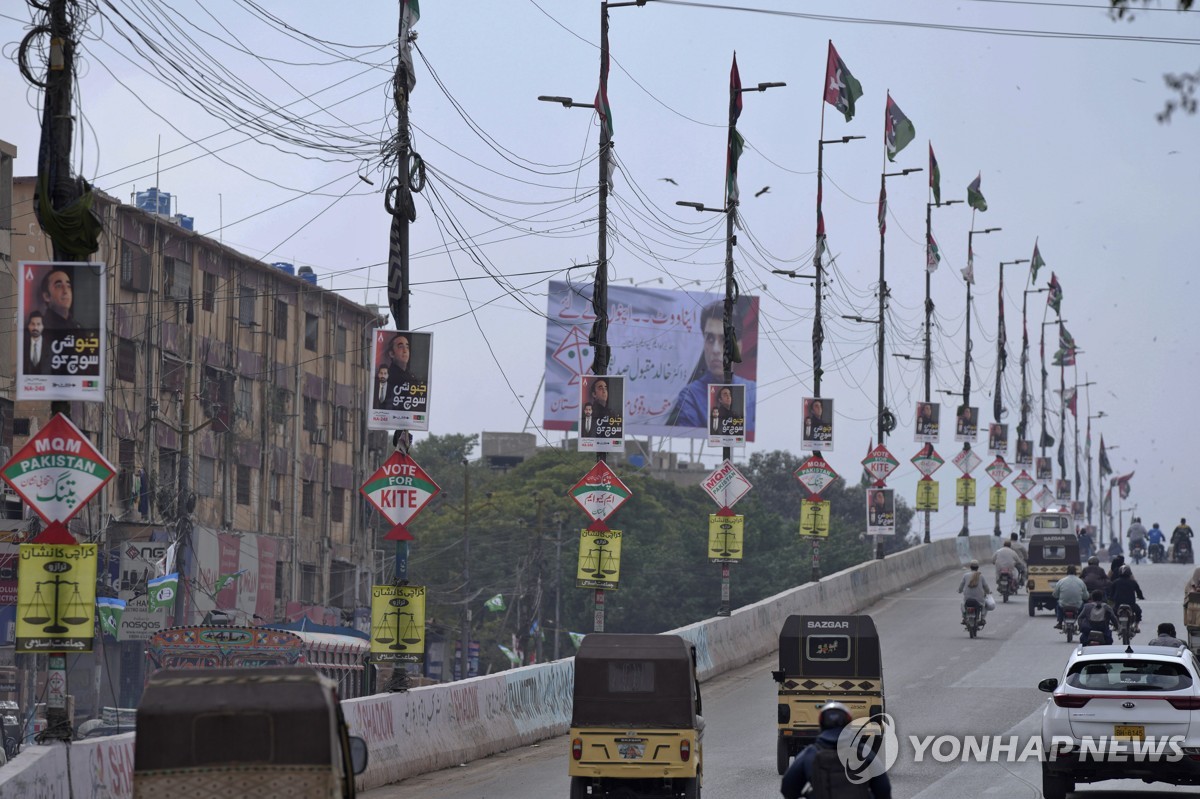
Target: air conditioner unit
(320, 436)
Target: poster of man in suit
(61, 335)
(400, 369)
(726, 415)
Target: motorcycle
(1125, 624)
(973, 617)
(1070, 625)
(1094, 638)
(1005, 584)
(1137, 552)
(1157, 553)
(1183, 551)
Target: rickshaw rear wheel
(783, 755)
(1032, 606)
(579, 788)
(691, 788)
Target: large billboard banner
(668, 345)
(61, 335)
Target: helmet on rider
(1093, 561)
(974, 565)
(833, 716)
(1126, 571)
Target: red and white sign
(1023, 482)
(57, 471)
(726, 485)
(1045, 498)
(998, 470)
(399, 489)
(816, 475)
(879, 463)
(967, 461)
(927, 460)
(600, 492)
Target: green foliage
(519, 520)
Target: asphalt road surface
(937, 682)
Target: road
(937, 682)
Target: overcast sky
(1054, 103)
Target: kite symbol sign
(399, 490)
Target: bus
(340, 657)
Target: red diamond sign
(927, 460)
(1045, 497)
(57, 471)
(600, 492)
(399, 489)
(967, 461)
(998, 470)
(1023, 482)
(816, 475)
(726, 485)
(879, 463)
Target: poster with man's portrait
(818, 424)
(966, 423)
(400, 367)
(61, 335)
(1045, 470)
(928, 425)
(1024, 452)
(601, 413)
(1062, 489)
(726, 415)
(997, 439)
(881, 511)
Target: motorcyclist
(1180, 534)
(1097, 615)
(1136, 534)
(1156, 538)
(1094, 575)
(1007, 558)
(1166, 636)
(1114, 548)
(1114, 567)
(1022, 553)
(1086, 545)
(820, 767)
(974, 586)
(1069, 592)
(1125, 591)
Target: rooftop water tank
(285, 267)
(186, 222)
(308, 275)
(154, 201)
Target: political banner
(668, 345)
(966, 423)
(601, 413)
(61, 333)
(400, 376)
(928, 425)
(818, 425)
(881, 511)
(726, 415)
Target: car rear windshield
(1129, 675)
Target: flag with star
(898, 130)
(841, 88)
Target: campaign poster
(398, 623)
(726, 415)
(56, 597)
(997, 439)
(928, 424)
(1045, 470)
(818, 424)
(1024, 455)
(601, 414)
(1062, 489)
(669, 346)
(966, 423)
(400, 369)
(61, 331)
(881, 511)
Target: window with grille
(126, 360)
(310, 414)
(337, 504)
(309, 576)
(246, 300)
(281, 319)
(135, 267)
(171, 374)
(312, 330)
(339, 343)
(277, 492)
(178, 280)
(208, 300)
(243, 485)
(341, 423)
(245, 401)
(206, 477)
(308, 500)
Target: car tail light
(1071, 700)
(577, 748)
(685, 750)
(1184, 702)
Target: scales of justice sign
(398, 623)
(56, 595)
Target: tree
(1184, 83)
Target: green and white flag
(935, 177)
(576, 638)
(898, 130)
(226, 579)
(162, 590)
(975, 194)
(410, 12)
(109, 609)
(1037, 262)
(496, 603)
(933, 255)
(512, 656)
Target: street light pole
(1023, 425)
(1001, 358)
(1092, 416)
(966, 395)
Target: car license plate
(631, 751)
(1129, 732)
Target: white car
(1122, 712)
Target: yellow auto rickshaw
(636, 727)
(824, 659)
(262, 732)
(1052, 546)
